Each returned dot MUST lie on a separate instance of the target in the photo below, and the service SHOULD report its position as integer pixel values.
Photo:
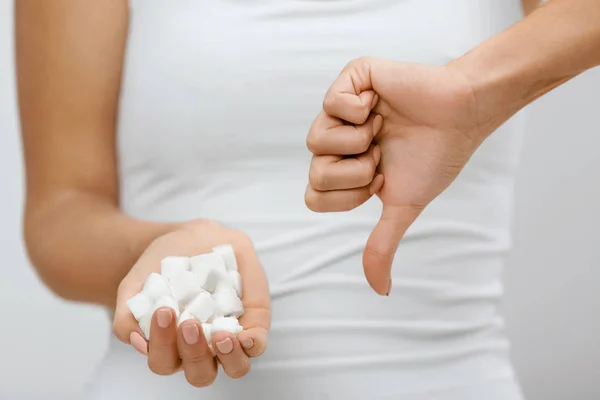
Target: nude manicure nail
(389, 288)
(247, 343)
(225, 346)
(190, 333)
(138, 343)
(164, 317)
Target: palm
(425, 138)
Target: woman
(140, 118)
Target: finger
(329, 135)
(337, 173)
(336, 200)
(351, 97)
(253, 339)
(255, 296)
(199, 365)
(383, 243)
(231, 355)
(163, 354)
(124, 324)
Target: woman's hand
(409, 130)
(173, 348)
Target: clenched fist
(399, 130)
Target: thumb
(383, 243)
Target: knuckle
(367, 173)
(365, 137)
(312, 201)
(161, 369)
(318, 177)
(199, 357)
(329, 102)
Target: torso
(216, 102)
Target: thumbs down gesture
(400, 131)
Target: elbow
(50, 259)
(45, 263)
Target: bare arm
(557, 42)
(69, 57)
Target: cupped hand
(172, 348)
(399, 130)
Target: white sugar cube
(228, 254)
(236, 282)
(229, 324)
(184, 288)
(144, 323)
(140, 305)
(185, 315)
(202, 307)
(207, 261)
(207, 330)
(216, 314)
(167, 301)
(172, 266)
(208, 269)
(208, 279)
(228, 303)
(156, 286)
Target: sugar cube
(140, 305)
(228, 303)
(156, 286)
(167, 301)
(207, 330)
(236, 282)
(202, 307)
(229, 324)
(174, 265)
(144, 323)
(184, 288)
(207, 261)
(228, 254)
(185, 315)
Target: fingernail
(225, 346)
(247, 343)
(138, 343)
(375, 100)
(389, 288)
(377, 124)
(164, 317)
(190, 333)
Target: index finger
(351, 97)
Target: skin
(434, 118)
(69, 61)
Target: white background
(48, 348)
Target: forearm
(82, 246)
(512, 69)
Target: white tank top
(217, 99)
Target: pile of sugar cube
(207, 287)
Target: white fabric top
(216, 103)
